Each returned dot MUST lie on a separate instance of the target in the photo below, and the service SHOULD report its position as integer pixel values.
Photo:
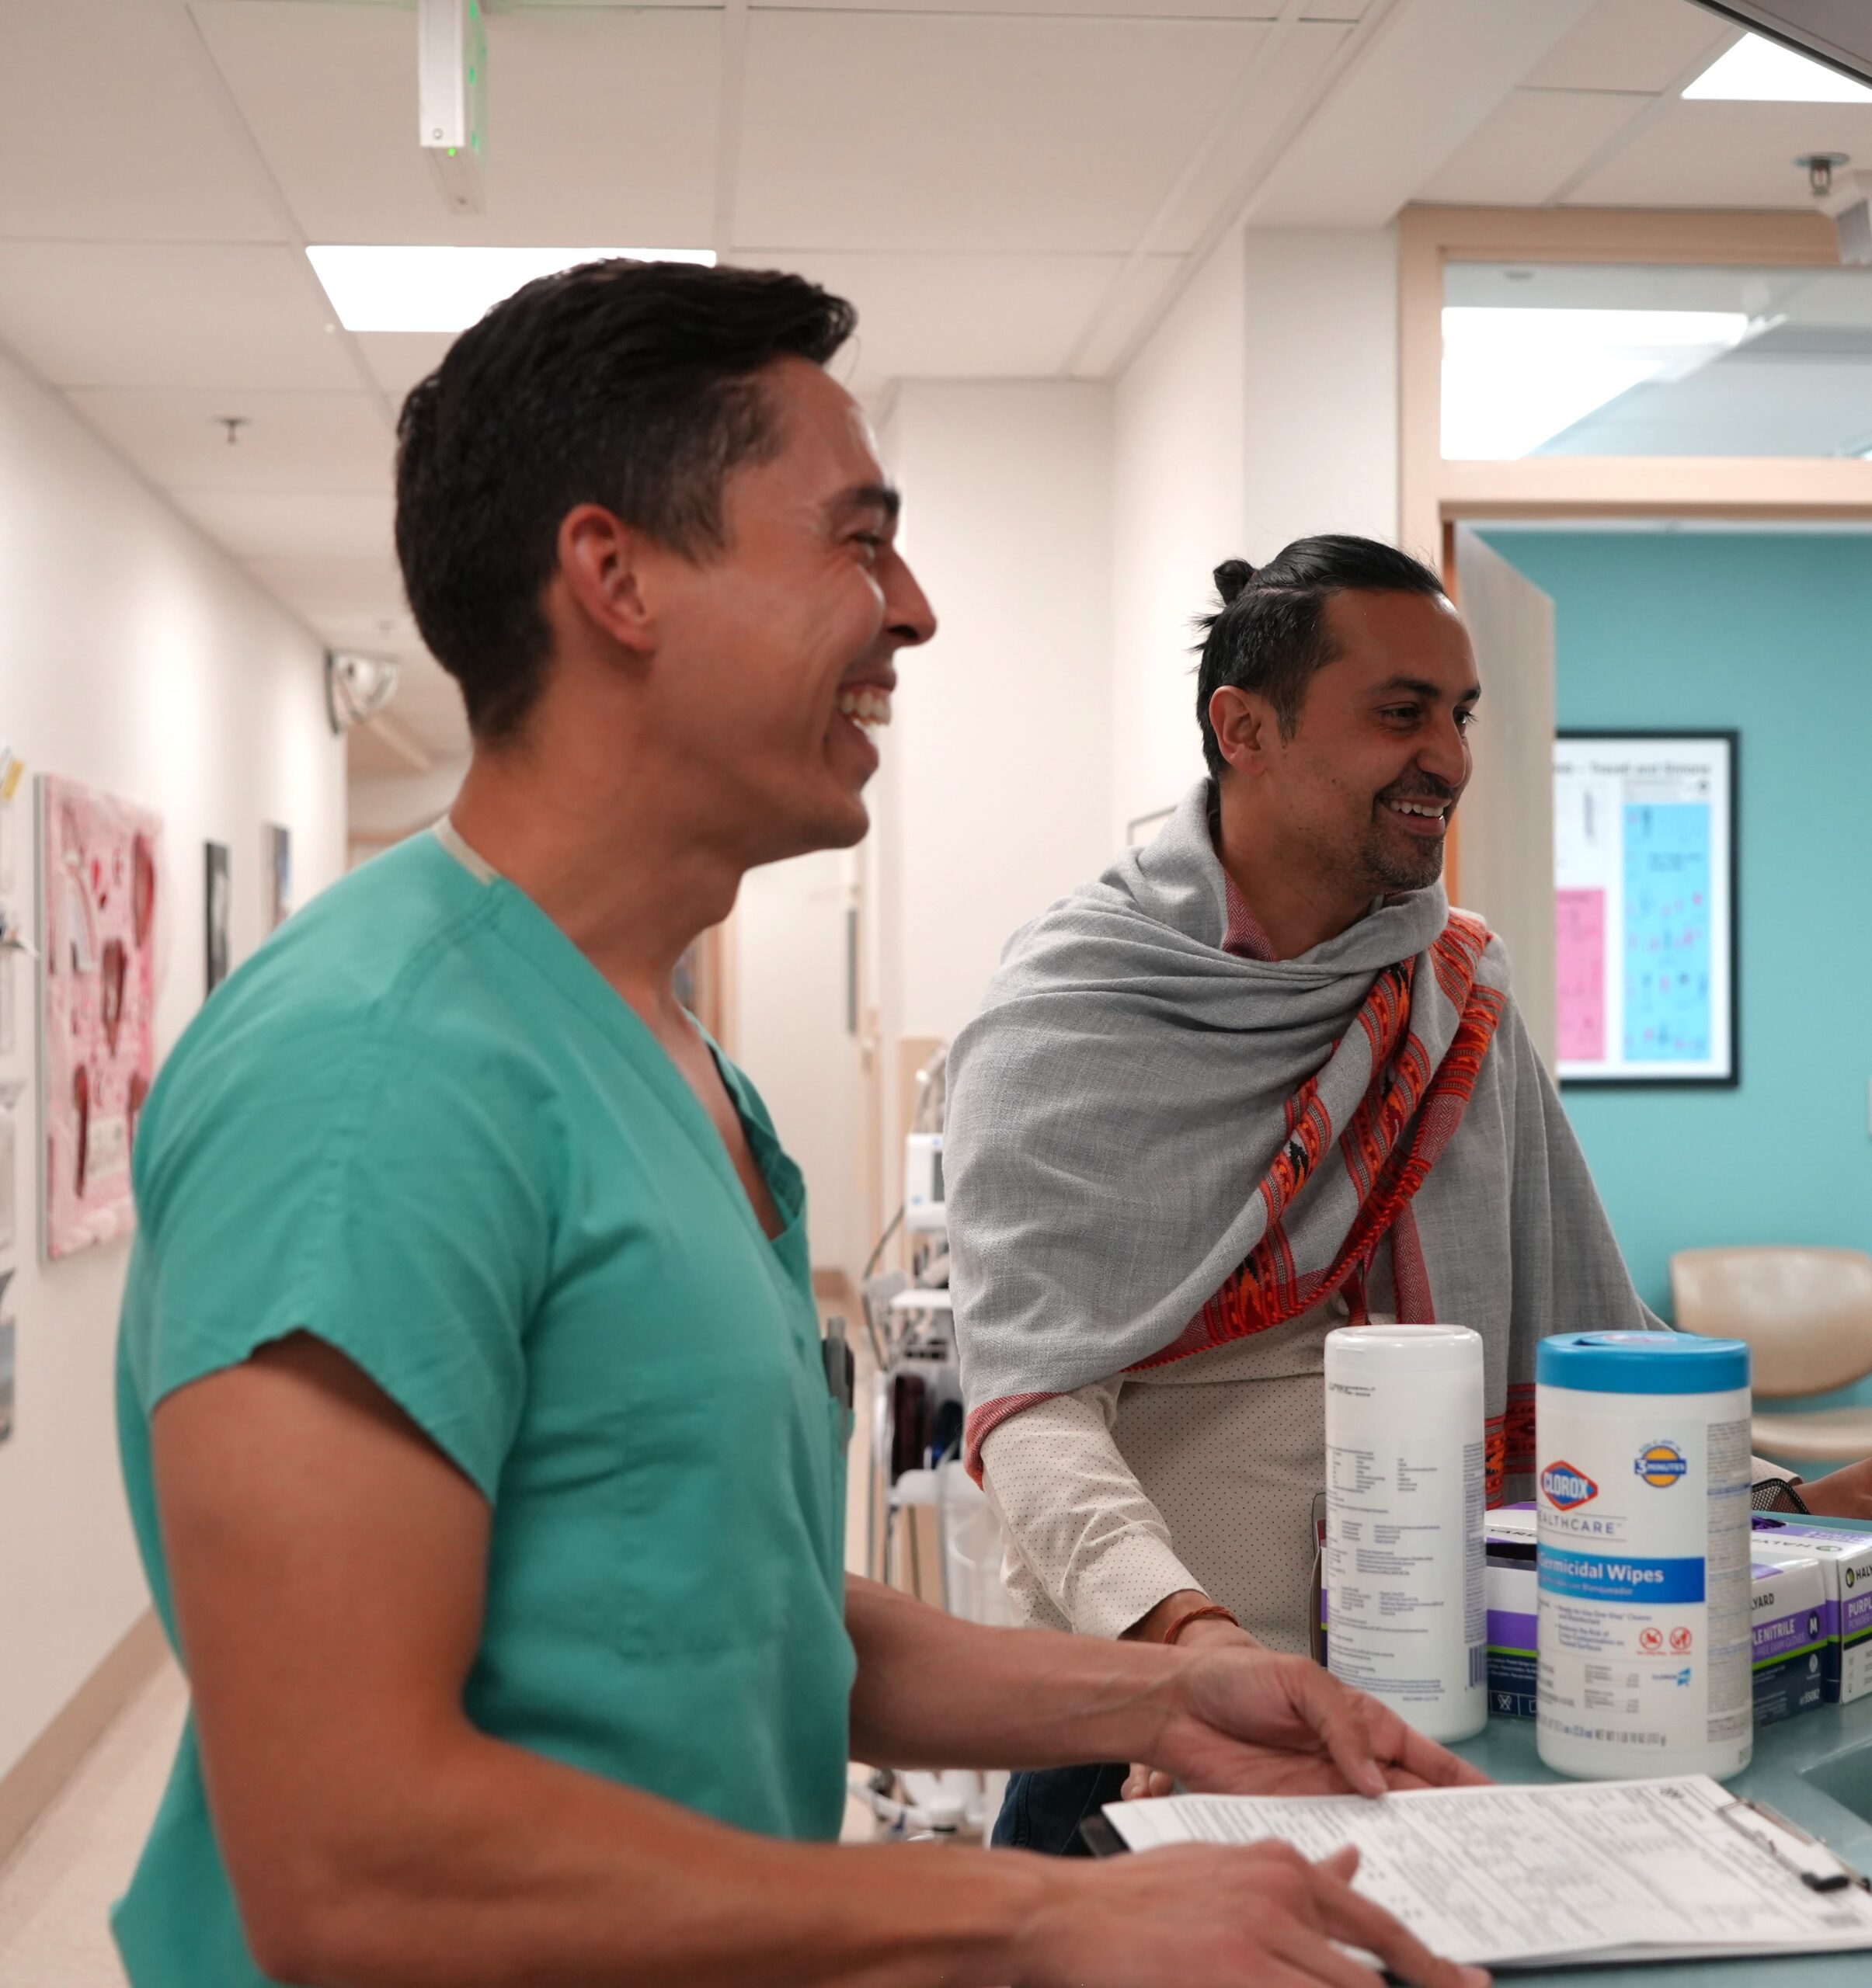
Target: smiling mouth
(866, 706)
(1422, 815)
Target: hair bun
(1232, 576)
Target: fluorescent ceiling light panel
(1759, 70)
(376, 288)
(1514, 378)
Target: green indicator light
(470, 76)
(451, 152)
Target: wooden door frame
(1434, 494)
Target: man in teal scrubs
(474, 1416)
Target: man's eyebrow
(881, 497)
(1421, 686)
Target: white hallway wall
(1177, 509)
(136, 657)
(1320, 386)
(1263, 408)
(1000, 799)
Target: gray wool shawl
(1125, 1123)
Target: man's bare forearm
(490, 1864)
(933, 1691)
(484, 1865)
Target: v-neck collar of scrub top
(547, 949)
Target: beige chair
(1807, 1314)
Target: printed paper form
(1525, 1876)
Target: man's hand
(1841, 1494)
(1210, 1631)
(1204, 1916)
(1242, 1721)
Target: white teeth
(1431, 813)
(865, 706)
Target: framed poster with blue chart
(1644, 869)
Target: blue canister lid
(1664, 1363)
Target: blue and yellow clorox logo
(1566, 1486)
(1661, 1464)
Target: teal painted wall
(1770, 633)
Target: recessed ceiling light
(1513, 379)
(377, 288)
(1759, 70)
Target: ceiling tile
(120, 313)
(307, 442)
(601, 123)
(1124, 317)
(108, 133)
(286, 524)
(1531, 146)
(339, 590)
(959, 317)
(1707, 154)
(398, 359)
(1435, 75)
(1280, 88)
(925, 132)
(1632, 45)
(388, 633)
(1236, 10)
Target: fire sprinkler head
(1820, 168)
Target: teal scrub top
(420, 1125)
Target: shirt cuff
(1126, 1579)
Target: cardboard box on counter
(1846, 1562)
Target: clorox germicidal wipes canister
(1642, 1439)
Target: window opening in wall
(1639, 359)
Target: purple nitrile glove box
(1846, 1563)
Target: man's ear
(1245, 728)
(601, 574)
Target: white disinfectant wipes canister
(1405, 1474)
(1642, 1442)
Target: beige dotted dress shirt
(1198, 1475)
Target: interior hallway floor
(56, 1891)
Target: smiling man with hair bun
(1256, 1082)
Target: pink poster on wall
(1580, 957)
(98, 858)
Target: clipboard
(1744, 1881)
(1817, 1867)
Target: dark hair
(627, 384)
(1270, 634)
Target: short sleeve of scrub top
(419, 1126)
(361, 1192)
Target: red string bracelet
(1189, 1615)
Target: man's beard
(1412, 864)
(1414, 867)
